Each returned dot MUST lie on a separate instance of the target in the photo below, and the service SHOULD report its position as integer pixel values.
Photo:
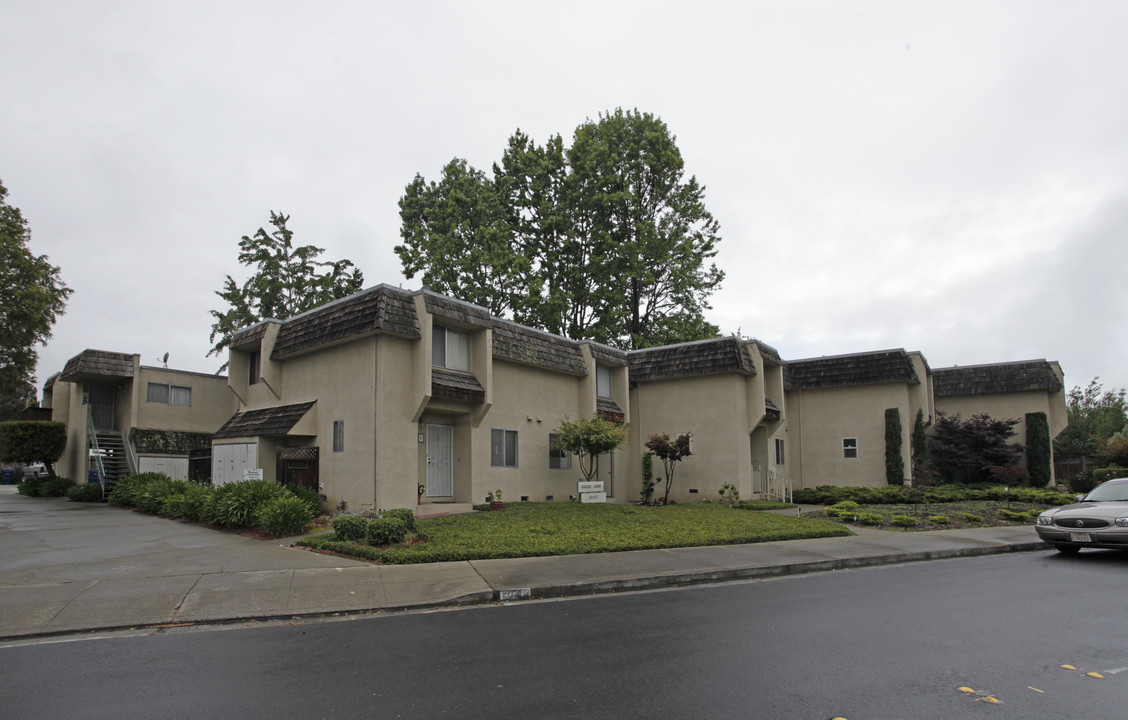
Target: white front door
(440, 470)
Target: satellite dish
(165, 359)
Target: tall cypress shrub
(1039, 453)
(918, 443)
(894, 463)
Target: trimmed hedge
(1039, 453)
(889, 495)
(390, 529)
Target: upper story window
(850, 448)
(169, 394)
(254, 360)
(603, 381)
(450, 349)
(779, 451)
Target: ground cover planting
(540, 529)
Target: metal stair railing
(97, 453)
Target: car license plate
(1080, 537)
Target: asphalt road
(894, 642)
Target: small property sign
(252, 473)
(593, 497)
(593, 486)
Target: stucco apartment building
(388, 391)
(124, 417)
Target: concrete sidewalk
(73, 567)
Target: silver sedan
(1099, 520)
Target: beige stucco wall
(67, 407)
(341, 379)
(818, 421)
(532, 401)
(212, 401)
(715, 409)
(393, 457)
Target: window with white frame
(603, 381)
(168, 394)
(558, 457)
(850, 448)
(450, 348)
(779, 451)
(503, 448)
(338, 436)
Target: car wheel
(1067, 549)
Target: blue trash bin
(7, 476)
(93, 477)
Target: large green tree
(457, 235)
(287, 281)
(1094, 416)
(28, 442)
(32, 298)
(605, 240)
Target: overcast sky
(949, 177)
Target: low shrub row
(270, 508)
(45, 487)
(390, 529)
(891, 495)
(86, 492)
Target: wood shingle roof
(886, 366)
(250, 336)
(457, 310)
(527, 346)
(97, 363)
(1022, 376)
(382, 308)
(268, 421)
(607, 355)
(704, 357)
(456, 386)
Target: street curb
(752, 573)
(578, 589)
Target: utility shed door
(229, 461)
(176, 468)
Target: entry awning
(267, 421)
(609, 410)
(456, 386)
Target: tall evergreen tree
(287, 281)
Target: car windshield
(1109, 492)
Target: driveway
(67, 566)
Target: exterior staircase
(109, 456)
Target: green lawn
(538, 529)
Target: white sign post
(591, 492)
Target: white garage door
(229, 461)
